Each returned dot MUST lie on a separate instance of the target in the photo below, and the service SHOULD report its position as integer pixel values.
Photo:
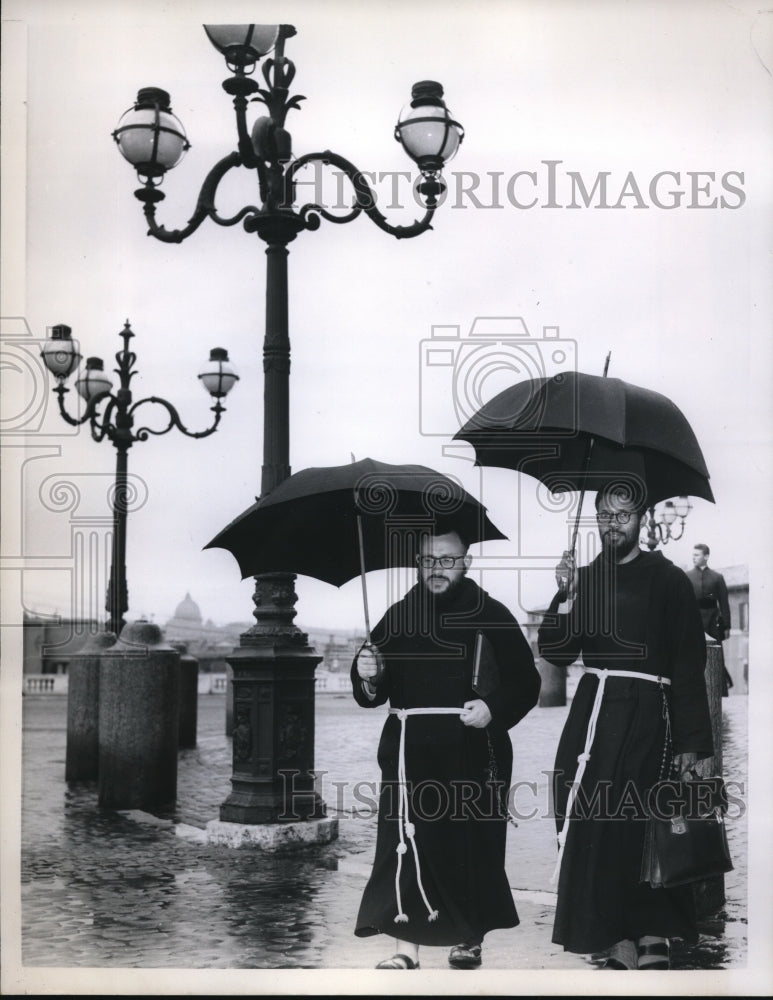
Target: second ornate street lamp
(116, 422)
(274, 666)
(666, 525)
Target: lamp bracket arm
(309, 211)
(246, 151)
(174, 420)
(101, 426)
(248, 210)
(205, 206)
(364, 201)
(90, 413)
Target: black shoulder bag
(685, 839)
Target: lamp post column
(276, 369)
(117, 589)
(273, 667)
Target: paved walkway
(105, 890)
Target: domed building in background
(209, 643)
(186, 622)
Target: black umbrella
(544, 427)
(575, 431)
(334, 523)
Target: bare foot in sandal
(398, 961)
(654, 952)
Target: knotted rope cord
(405, 828)
(584, 757)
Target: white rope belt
(406, 829)
(584, 757)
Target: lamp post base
(273, 734)
(272, 836)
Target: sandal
(465, 956)
(621, 956)
(661, 951)
(398, 961)
(613, 963)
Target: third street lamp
(667, 524)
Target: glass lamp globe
(93, 382)
(426, 129)
(683, 507)
(242, 45)
(60, 352)
(149, 136)
(669, 512)
(218, 376)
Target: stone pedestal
(82, 756)
(189, 696)
(273, 736)
(139, 720)
(552, 692)
(272, 836)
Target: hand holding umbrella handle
(370, 664)
(566, 576)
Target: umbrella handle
(361, 546)
(562, 589)
(576, 528)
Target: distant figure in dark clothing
(711, 592)
(632, 617)
(445, 754)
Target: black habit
(640, 616)
(428, 647)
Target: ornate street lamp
(153, 140)
(274, 666)
(116, 422)
(667, 524)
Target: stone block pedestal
(272, 836)
(139, 720)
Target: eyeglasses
(429, 562)
(621, 516)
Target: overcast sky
(674, 281)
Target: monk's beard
(439, 601)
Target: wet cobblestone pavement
(104, 890)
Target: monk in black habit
(634, 614)
(438, 876)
